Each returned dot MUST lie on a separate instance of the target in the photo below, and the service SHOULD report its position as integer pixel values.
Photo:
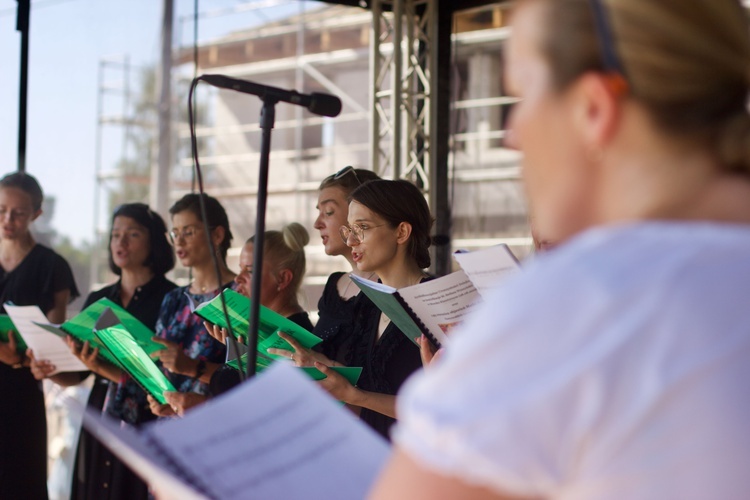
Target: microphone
(316, 102)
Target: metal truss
(401, 88)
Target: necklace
(198, 288)
(346, 288)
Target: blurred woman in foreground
(617, 365)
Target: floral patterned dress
(177, 323)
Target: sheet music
(126, 443)
(488, 266)
(278, 436)
(45, 345)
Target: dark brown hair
(26, 183)
(396, 202)
(160, 254)
(215, 213)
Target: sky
(68, 39)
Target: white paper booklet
(278, 436)
(45, 345)
(435, 307)
(486, 267)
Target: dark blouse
(97, 473)
(335, 322)
(23, 426)
(386, 361)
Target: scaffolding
(115, 122)
(338, 50)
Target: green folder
(350, 373)
(269, 322)
(121, 345)
(81, 327)
(6, 325)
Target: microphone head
(324, 104)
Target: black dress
(386, 361)
(335, 322)
(97, 473)
(23, 423)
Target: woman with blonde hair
(617, 365)
(283, 270)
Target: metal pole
(22, 25)
(267, 121)
(160, 174)
(439, 129)
(375, 67)
(397, 87)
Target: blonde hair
(286, 250)
(687, 63)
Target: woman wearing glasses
(388, 234)
(191, 355)
(30, 274)
(617, 365)
(140, 254)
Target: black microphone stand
(22, 25)
(267, 120)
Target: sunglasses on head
(345, 171)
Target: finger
(280, 352)
(425, 352)
(164, 342)
(292, 342)
(223, 334)
(210, 329)
(85, 349)
(90, 359)
(73, 345)
(12, 340)
(172, 397)
(323, 368)
(30, 355)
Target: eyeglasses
(610, 58)
(187, 233)
(13, 214)
(355, 230)
(344, 171)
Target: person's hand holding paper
(183, 401)
(295, 351)
(173, 358)
(9, 350)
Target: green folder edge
(350, 373)
(81, 327)
(117, 339)
(211, 312)
(6, 325)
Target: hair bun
(295, 236)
